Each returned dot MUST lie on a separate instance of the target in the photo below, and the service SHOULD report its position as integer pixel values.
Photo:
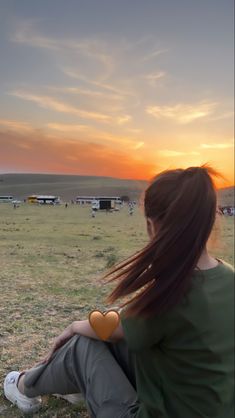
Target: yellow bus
(44, 199)
(32, 199)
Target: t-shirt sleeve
(141, 334)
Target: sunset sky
(121, 88)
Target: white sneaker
(12, 393)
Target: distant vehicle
(95, 204)
(44, 199)
(227, 210)
(6, 199)
(32, 199)
(16, 202)
(110, 203)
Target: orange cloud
(40, 153)
(80, 149)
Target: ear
(150, 228)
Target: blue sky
(148, 81)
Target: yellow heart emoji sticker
(104, 324)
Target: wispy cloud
(106, 86)
(86, 92)
(124, 119)
(139, 145)
(182, 113)
(64, 131)
(24, 35)
(47, 102)
(173, 153)
(155, 54)
(92, 48)
(154, 77)
(28, 35)
(61, 127)
(15, 125)
(93, 134)
(135, 131)
(221, 116)
(221, 146)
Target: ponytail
(182, 204)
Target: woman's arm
(84, 328)
(81, 328)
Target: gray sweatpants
(102, 372)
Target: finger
(43, 361)
(48, 357)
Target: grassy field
(51, 262)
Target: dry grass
(51, 259)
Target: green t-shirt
(184, 360)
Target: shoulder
(226, 267)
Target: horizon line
(71, 175)
(89, 175)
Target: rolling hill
(69, 186)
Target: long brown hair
(182, 205)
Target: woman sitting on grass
(172, 354)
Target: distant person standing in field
(172, 355)
(131, 209)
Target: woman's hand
(60, 341)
